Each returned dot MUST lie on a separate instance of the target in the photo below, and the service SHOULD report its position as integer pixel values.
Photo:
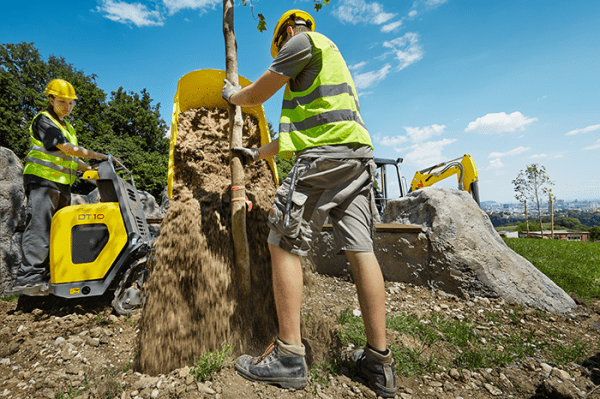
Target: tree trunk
(238, 193)
(526, 217)
(552, 217)
(539, 214)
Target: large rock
(458, 252)
(12, 213)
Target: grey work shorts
(338, 188)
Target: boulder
(12, 213)
(458, 252)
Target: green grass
(354, 329)
(9, 298)
(210, 363)
(573, 265)
(436, 342)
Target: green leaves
(262, 24)
(319, 4)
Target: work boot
(281, 364)
(377, 369)
(29, 289)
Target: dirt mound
(193, 305)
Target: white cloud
(499, 122)
(406, 49)
(365, 80)
(391, 27)
(496, 164)
(427, 153)
(125, 13)
(174, 6)
(139, 15)
(425, 133)
(414, 146)
(537, 156)
(413, 13)
(388, 141)
(584, 130)
(434, 3)
(357, 67)
(594, 146)
(514, 151)
(355, 11)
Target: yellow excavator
(464, 167)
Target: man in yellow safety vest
(332, 177)
(50, 171)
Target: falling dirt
(193, 305)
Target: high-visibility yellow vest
(51, 165)
(328, 112)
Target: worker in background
(50, 170)
(332, 176)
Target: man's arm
(269, 150)
(83, 166)
(259, 91)
(70, 149)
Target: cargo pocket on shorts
(277, 217)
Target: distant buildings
(516, 209)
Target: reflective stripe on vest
(328, 112)
(55, 166)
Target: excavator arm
(463, 167)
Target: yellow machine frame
(62, 268)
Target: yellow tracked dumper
(102, 246)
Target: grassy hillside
(574, 266)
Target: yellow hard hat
(61, 88)
(282, 24)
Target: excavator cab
(380, 188)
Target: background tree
(522, 194)
(23, 74)
(538, 183)
(283, 165)
(128, 126)
(551, 200)
(595, 233)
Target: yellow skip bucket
(203, 89)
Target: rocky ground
(56, 349)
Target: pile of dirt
(193, 303)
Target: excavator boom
(463, 167)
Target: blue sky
(509, 82)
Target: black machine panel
(87, 241)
